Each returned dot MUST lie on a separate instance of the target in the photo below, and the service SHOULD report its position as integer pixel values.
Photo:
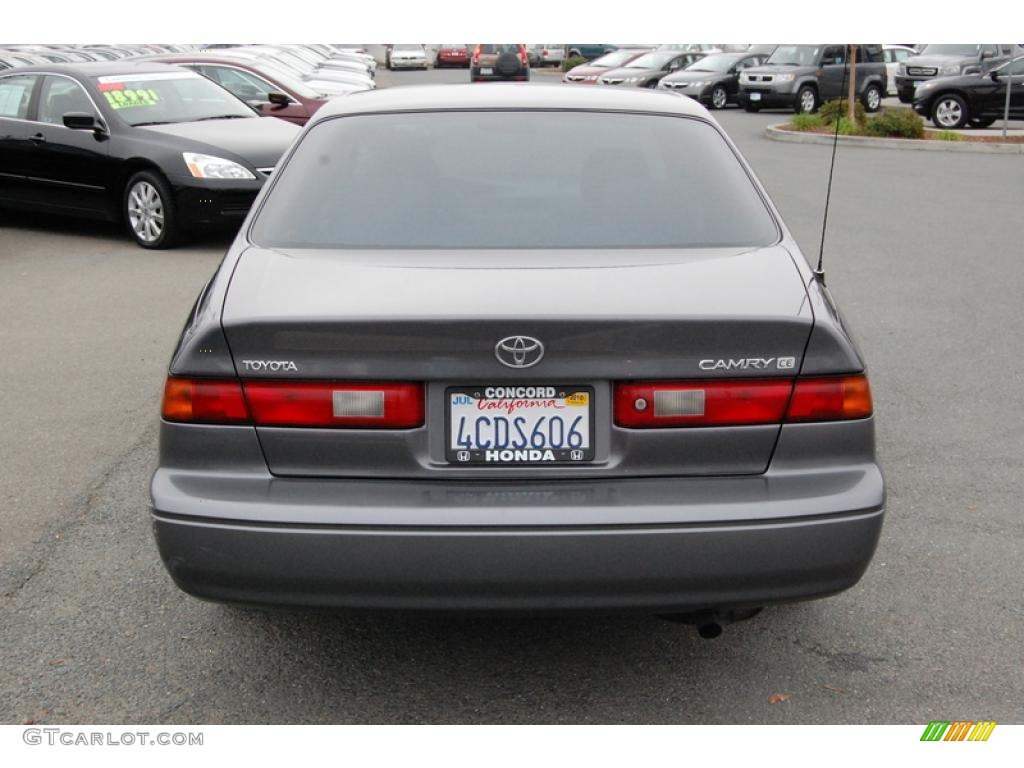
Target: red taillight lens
(476, 55)
(701, 403)
(830, 399)
(522, 55)
(207, 401)
(327, 404)
(705, 403)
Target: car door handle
(37, 139)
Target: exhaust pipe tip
(709, 630)
(709, 622)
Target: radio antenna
(819, 271)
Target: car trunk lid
(436, 317)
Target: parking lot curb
(776, 133)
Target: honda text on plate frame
(547, 349)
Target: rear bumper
(641, 547)
(475, 76)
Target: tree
(852, 93)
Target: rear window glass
(513, 180)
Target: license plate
(486, 71)
(512, 424)
(755, 97)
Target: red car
(253, 82)
(587, 74)
(449, 55)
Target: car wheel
(149, 211)
(719, 97)
(651, 84)
(751, 107)
(806, 100)
(872, 98)
(949, 111)
(981, 122)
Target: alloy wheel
(807, 100)
(874, 99)
(948, 113)
(145, 211)
(718, 97)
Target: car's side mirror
(279, 100)
(83, 121)
(994, 74)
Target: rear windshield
(513, 180)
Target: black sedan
(977, 100)
(159, 147)
(714, 80)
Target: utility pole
(852, 94)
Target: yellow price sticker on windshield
(132, 97)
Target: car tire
(981, 122)
(872, 98)
(949, 112)
(749, 106)
(806, 100)
(719, 97)
(148, 210)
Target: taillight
(832, 398)
(294, 403)
(327, 404)
(739, 402)
(701, 403)
(204, 401)
(476, 54)
(522, 55)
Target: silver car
(407, 56)
(525, 349)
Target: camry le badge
(519, 351)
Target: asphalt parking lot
(922, 254)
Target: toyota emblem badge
(519, 351)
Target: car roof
(99, 68)
(510, 96)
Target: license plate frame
(478, 457)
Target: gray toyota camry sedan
(518, 348)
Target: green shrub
(848, 128)
(901, 123)
(839, 108)
(806, 122)
(572, 61)
(946, 136)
